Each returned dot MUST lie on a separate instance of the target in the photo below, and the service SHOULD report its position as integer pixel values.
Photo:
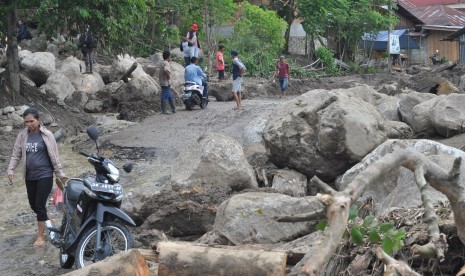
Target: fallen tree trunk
(188, 259)
(126, 74)
(129, 263)
(338, 203)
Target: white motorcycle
(193, 95)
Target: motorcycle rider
(435, 58)
(195, 74)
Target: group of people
(193, 73)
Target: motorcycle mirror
(127, 167)
(92, 132)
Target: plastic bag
(57, 196)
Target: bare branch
(339, 202)
(317, 214)
(393, 266)
(322, 185)
(437, 246)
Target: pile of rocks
(12, 117)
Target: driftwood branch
(126, 74)
(338, 203)
(317, 214)
(394, 267)
(130, 263)
(437, 246)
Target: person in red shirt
(283, 73)
(220, 62)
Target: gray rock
(94, 106)
(39, 66)
(59, 85)
(8, 110)
(324, 132)
(6, 128)
(256, 155)
(397, 188)
(290, 183)
(448, 115)
(46, 119)
(247, 218)
(409, 101)
(214, 159)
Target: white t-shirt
(185, 49)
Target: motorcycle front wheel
(115, 238)
(188, 104)
(204, 103)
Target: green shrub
(368, 230)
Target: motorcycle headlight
(114, 172)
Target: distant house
(460, 37)
(429, 25)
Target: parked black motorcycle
(92, 228)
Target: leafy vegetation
(258, 36)
(369, 230)
(143, 27)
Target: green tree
(118, 23)
(258, 36)
(344, 21)
(287, 10)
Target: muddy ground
(152, 142)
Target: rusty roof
(434, 15)
(420, 3)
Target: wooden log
(126, 74)
(176, 259)
(129, 263)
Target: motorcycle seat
(74, 188)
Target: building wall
(448, 49)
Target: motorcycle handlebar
(81, 152)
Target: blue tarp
(379, 40)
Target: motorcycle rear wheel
(115, 238)
(66, 260)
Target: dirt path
(153, 143)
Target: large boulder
(39, 66)
(409, 101)
(221, 91)
(59, 85)
(121, 64)
(448, 115)
(324, 132)
(397, 188)
(246, 219)
(214, 159)
(253, 131)
(89, 83)
(137, 89)
(177, 76)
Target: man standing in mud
(238, 72)
(164, 76)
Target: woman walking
(37, 150)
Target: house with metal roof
(429, 25)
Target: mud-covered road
(152, 144)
